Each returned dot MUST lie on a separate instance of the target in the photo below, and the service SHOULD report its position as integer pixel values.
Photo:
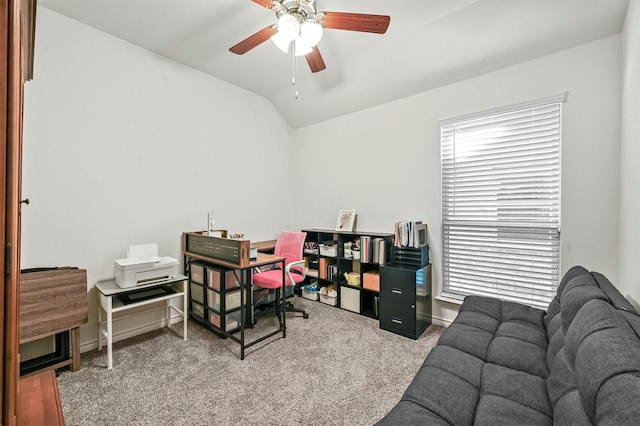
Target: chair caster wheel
(305, 315)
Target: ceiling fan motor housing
(302, 10)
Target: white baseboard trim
(131, 332)
(441, 322)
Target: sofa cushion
(499, 332)
(616, 299)
(510, 396)
(447, 385)
(554, 306)
(604, 344)
(576, 294)
(562, 390)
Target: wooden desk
(53, 301)
(39, 400)
(263, 259)
(264, 246)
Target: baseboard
(145, 328)
(131, 332)
(441, 322)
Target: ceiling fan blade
(252, 41)
(266, 3)
(377, 24)
(315, 61)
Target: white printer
(144, 266)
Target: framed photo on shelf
(346, 219)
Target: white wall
(629, 283)
(385, 161)
(122, 146)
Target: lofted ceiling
(429, 43)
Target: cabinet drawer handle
(396, 320)
(396, 291)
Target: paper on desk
(144, 251)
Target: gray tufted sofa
(503, 363)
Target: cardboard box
(371, 280)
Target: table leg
(109, 333)
(243, 310)
(185, 287)
(75, 349)
(100, 322)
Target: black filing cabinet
(405, 299)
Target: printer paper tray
(145, 294)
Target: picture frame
(346, 220)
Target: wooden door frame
(17, 23)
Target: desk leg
(185, 288)
(75, 349)
(284, 303)
(243, 310)
(99, 322)
(109, 333)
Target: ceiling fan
(300, 27)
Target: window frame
(456, 296)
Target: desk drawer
(398, 284)
(197, 292)
(398, 317)
(197, 310)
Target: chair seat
(273, 279)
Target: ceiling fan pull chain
(294, 71)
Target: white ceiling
(429, 43)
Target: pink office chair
(288, 245)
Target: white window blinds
(501, 203)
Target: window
(501, 203)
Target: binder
(410, 234)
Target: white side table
(110, 300)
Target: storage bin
(328, 249)
(371, 280)
(197, 273)
(309, 294)
(328, 297)
(214, 319)
(231, 320)
(350, 299)
(197, 292)
(232, 300)
(215, 276)
(197, 310)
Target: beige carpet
(334, 368)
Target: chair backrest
(290, 245)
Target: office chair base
(270, 308)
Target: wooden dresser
(39, 400)
(53, 301)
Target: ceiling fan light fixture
(288, 27)
(281, 41)
(301, 47)
(311, 32)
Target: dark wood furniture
(405, 292)
(264, 246)
(18, 20)
(328, 267)
(51, 302)
(39, 400)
